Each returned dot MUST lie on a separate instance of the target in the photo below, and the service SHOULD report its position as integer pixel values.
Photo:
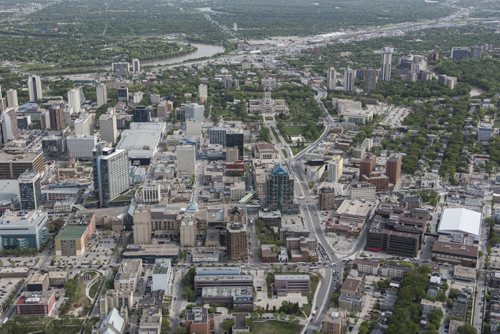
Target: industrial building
(460, 221)
(141, 141)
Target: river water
(202, 51)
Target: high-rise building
(459, 53)
(56, 117)
(30, 190)
(108, 127)
(202, 93)
(8, 119)
(81, 147)
(476, 52)
(141, 114)
(235, 140)
(187, 232)
(186, 160)
(385, 74)
(142, 225)
(237, 242)
(74, 99)
(332, 78)
(217, 136)
(111, 174)
(35, 87)
(83, 125)
(136, 66)
(121, 68)
(12, 101)
(335, 168)
(393, 168)
(370, 78)
(195, 111)
(102, 95)
(279, 191)
(193, 128)
(367, 164)
(349, 79)
(123, 94)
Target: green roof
(71, 232)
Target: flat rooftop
(355, 208)
(218, 271)
(291, 277)
(71, 232)
(223, 278)
(230, 291)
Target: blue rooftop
(279, 170)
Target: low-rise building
(455, 253)
(202, 281)
(369, 267)
(464, 273)
(283, 284)
(199, 321)
(36, 303)
(151, 321)
(239, 298)
(38, 282)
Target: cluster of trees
(429, 196)
(46, 325)
(83, 51)
(188, 291)
(483, 73)
(407, 310)
(75, 291)
(290, 308)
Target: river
(202, 51)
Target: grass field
(294, 130)
(275, 327)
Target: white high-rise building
(195, 111)
(385, 73)
(332, 78)
(193, 128)
(102, 95)
(186, 160)
(202, 93)
(349, 79)
(74, 100)
(108, 127)
(81, 147)
(111, 174)
(83, 125)
(136, 65)
(35, 87)
(12, 101)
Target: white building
(81, 147)
(23, 229)
(74, 100)
(102, 95)
(108, 127)
(151, 192)
(83, 125)
(195, 111)
(332, 78)
(185, 160)
(12, 101)
(35, 87)
(137, 97)
(193, 128)
(162, 276)
(460, 221)
(484, 131)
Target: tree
(227, 324)
(364, 329)
(466, 329)
(180, 330)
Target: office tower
(217, 136)
(279, 192)
(195, 111)
(459, 53)
(111, 175)
(349, 79)
(367, 164)
(56, 117)
(193, 129)
(35, 87)
(335, 169)
(141, 114)
(10, 129)
(476, 52)
(370, 80)
(235, 140)
(121, 68)
(74, 99)
(102, 95)
(12, 101)
(30, 190)
(187, 232)
(186, 160)
(53, 147)
(202, 93)
(237, 242)
(142, 228)
(393, 168)
(123, 94)
(136, 66)
(81, 147)
(385, 74)
(83, 125)
(332, 78)
(108, 128)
